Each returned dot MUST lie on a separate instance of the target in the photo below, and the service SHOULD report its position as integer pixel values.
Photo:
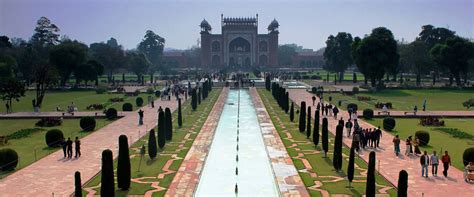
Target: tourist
(385, 109)
(335, 110)
(69, 147)
(408, 150)
(416, 144)
(415, 109)
(424, 161)
(326, 109)
(77, 142)
(348, 127)
(396, 145)
(314, 99)
(64, 146)
(160, 109)
(424, 105)
(356, 140)
(140, 115)
(341, 121)
(434, 164)
(153, 103)
(318, 107)
(446, 163)
(330, 109)
(378, 136)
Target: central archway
(239, 45)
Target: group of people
(366, 137)
(67, 147)
(433, 161)
(326, 109)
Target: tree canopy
(338, 53)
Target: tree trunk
(450, 79)
(434, 78)
(394, 79)
(96, 81)
(401, 78)
(458, 79)
(151, 78)
(365, 80)
(373, 81)
(418, 79)
(341, 76)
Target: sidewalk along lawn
(162, 169)
(439, 140)
(35, 143)
(405, 100)
(81, 99)
(299, 147)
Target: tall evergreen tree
(325, 137)
(180, 116)
(286, 102)
(350, 166)
(124, 172)
(152, 144)
(402, 184)
(316, 128)
(161, 130)
(168, 124)
(77, 184)
(199, 96)
(267, 82)
(302, 119)
(337, 156)
(308, 124)
(107, 185)
(370, 185)
(292, 112)
(194, 99)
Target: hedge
(423, 136)
(87, 123)
(368, 113)
(468, 155)
(127, 107)
(111, 113)
(54, 137)
(139, 101)
(8, 159)
(388, 123)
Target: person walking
(396, 145)
(415, 109)
(153, 103)
(64, 146)
(356, 141)
(140, 115)
(446, 163)
(69, 148)
(314, 99)
(424, 161)
(434, 164)
(348, 127)
(335, 110)
(424, 105)
(77, 142)
(416, 144)
(378, 136)
(408, 150)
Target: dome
(273, 25)
(204, 23)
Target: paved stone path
(448, 114)
(55, 175)
(187, 178)
(389, 165)
(287, 177)
(23, 115)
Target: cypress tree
(180, 116)
(161, 130)
(337, 156)
(168, 124)
(267, 82)
(204, 91)
(325, 136)
(308, 124)
(152, 144)
(199, 96)
(316, 128)
(350, 166)
(354, 77)
(286, 102)
(107, 186)
(77, 184)
(292, 112)
(370, 185)
(402, 184)
(302, 119)
(124, 172)
(194, 99)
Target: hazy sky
(303, 22)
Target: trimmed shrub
(96, 106)
(107, 186)
(423, 136)
(54, 137)
(100, 90)
(350, 166)
(469, 103)
(402, 184)
(352, 106)
(302, 119)
(468, 156)
(157, 93)
(152, 144)
(180, 116)
(325, 137)
(111, 114)
(124, 172)
(308, 123)
(139, 101)
(355, 90)
(161, 130)
(337, 156)
(168, 124)
(77, 184)
(292, 112)
(368, 113)
(388, 123)
(127, 107)
(87, 123)
(8, 159)
(370, 184)
(316, 128)
(150, 91)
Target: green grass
(192, 123)
(27, 147)
(405, 100)
(321, 166)
(438, 140)
(347, 75)
(81, 98)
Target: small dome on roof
(273, 25)
(204, 23)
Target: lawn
(81, 98)
(332, 181)
(438, 140)
(405, 100)
(34, 147)
(173, 153)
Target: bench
(384, 113)
(412, 112)
(3, 140)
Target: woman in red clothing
(446, 163)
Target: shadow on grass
(354, 191)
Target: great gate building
(239, 44)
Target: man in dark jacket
(69, 147)
(425, 162)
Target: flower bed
(116, 100)
(96, 106)
(49, 122)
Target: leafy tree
(338, 53)
(152, 150)
(350, 166)
(454, 55)
(337, 156)
(302, 119)
(308, 123)
(316, 128)
(431, 35)
(292, 112)
(416, 57)
(138, 64)
(88, 71)
(161, 130)
(5, 42)
(46, 33)
(152, 47)
(11, 89)
(402, 184)
(77, 184)
(285, 55)
(325, 137)
(370, 185)
(180, 116)
(107, 186)
(112, 57)
(168, 124)
(67, 56)
(124, 172)
(194, 99)
(360, 65)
